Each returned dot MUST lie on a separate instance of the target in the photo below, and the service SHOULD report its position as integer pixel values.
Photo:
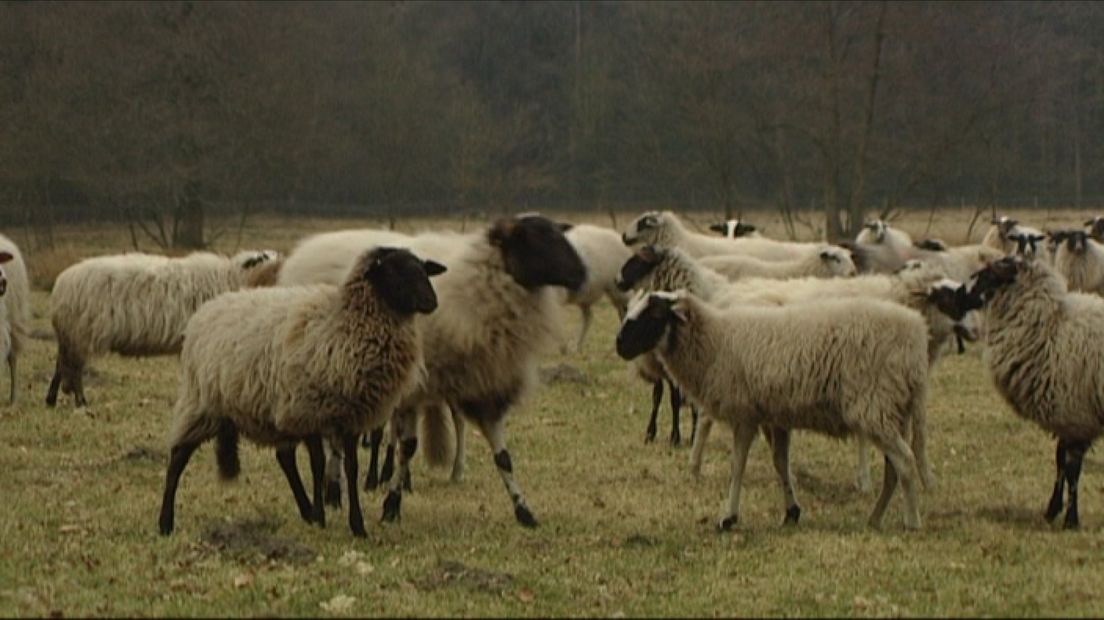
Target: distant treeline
(167, 113)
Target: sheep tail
(919, 440)
(226, 450)
(436, 435)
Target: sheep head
(732, 229)
(1096, 228)
(536, 252)
(400, 278)
(649, 318)
(838, 260)
(639, 265)
(1026, 243)
(4, 257)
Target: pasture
(624, 529)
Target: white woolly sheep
(136, 305)
(291, 364)
(15, 308)
(734, 229)
(603, 254)
(664, 229)
(481, 351)
(880, 248)
(1079, 260)
(1043, 349)
(829, 262)
(852, 367)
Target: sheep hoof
(649, 437)
(1072, 522)
(392, 506)
(1053, 509)
(333, 493)
(358, 530)
(727, 523)
(793, 513)
(676, 439)
(166, 527)
(524, 517)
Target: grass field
(624, 529)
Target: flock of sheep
(356, 331)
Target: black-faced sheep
(136, 305)
(851, 367)
(1079, 260)
(291, 364)
(1043, 352)
(499, 313)
(15, 309)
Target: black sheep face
(639, 265)
(402, 279)
(1096, 228)
(998, 274)
(4, 257)
(537, 253)
(953, 299)
(1027, 244)
(638, 229)
(646, 323)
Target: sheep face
(732, 229)
(253, 259)
(537, 253)
(639, 265)
(877, 231)
(643, 229)
(998, 274)
(401, 279)
(1096, 228)
(1004, 225)
(646, 322)
(1026, 243)
(4, 257)
(838, 261)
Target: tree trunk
(189, 232)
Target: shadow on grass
(249, 540)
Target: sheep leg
(587, 315)
(317, 453)
(657, 398)
(333, 475)
(178, 460)
(1075, 453)
(743, 434)
(392, 504)
(372, 478)
(461, 440)
(356, 518)
(495, 432)
(1056, 499)
(55, 383)
(693, 422)
(862, 473)
(78, 387)
(899, 457)
(705, 425)
(285, 455)
(780, 455)
(889, 485)
(676, 407)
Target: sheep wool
(828, 262)
(15, 309)
(665, 229)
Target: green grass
(624, 529)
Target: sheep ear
(1090, 221)
(565, 226)
(433, 268)
(720, 228)
(5, 256)
(501, 231)
(825, 255)
(678, 310)
(747, 228)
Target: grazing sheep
(603, 254)
(291, 364)
(500, 313)
(664, 229)
(734, 229)
(1043, 349)
(851, 367)
(15, 308)
(136, 305)
(1079, 260)
(829, 262)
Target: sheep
(1095, 225)
(664, 229)
(136, 304)
(1079, 260)
(851, 367)
(997, 235)
(481, 353)
(734, 229)
(653, 269)
(292, 364)
(886, 249)
(829, 262)
(15, 309)
(1043, 350)
(603, 254)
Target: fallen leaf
(243, 580)
(338, 604)
(525, 595)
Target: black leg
(317, 453)
(78, 387)
(333, 475)
(1075, 453)
(356, 519)
(178, 459)
(657, 398)
(676, 407)
(285, 455)
(694, 419)
(1055, 505)
(388, 468)
(51, 394)
(374, 439)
